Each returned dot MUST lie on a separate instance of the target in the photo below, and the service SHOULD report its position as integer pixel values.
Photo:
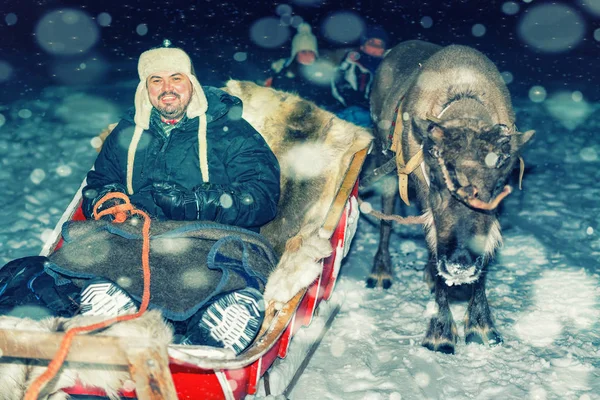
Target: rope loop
(119, 211)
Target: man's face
(170, 93)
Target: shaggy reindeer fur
(456, 108)
(314, 149)
(16, 374)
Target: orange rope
(120, 213)
(408, 220)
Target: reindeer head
(469, 162)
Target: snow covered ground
(544, 288)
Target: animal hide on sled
(314, 149)
(16, 375)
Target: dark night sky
(211, 31)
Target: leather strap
(404, 169)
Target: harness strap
(121, 213)
(395, 134)
(403, 168)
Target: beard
(174, 110)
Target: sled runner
(161, 371)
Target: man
(185, 153)
(351, 85)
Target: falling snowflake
(66, 32)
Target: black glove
(92, 195)
(177, 202)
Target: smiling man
(185, 153)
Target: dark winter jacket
(353, 78)
(243, 171)
(295, 78)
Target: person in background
(351, 84)
(303, 73)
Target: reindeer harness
(404, 168)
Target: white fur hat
(304, 40)
(167, 59)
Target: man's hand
(92, 195)
(177, 202)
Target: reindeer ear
(424, 128)
(520, 139)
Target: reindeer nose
(474, 191)
(461, 257)
(468, 191)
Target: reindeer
(454, 133)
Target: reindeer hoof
(494, 339)
(445, 348)
(490, 337)
(474, 338)
(374, 281)
(442, 334)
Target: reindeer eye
(502, 160)
(504, 130)
(435, 152)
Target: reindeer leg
(442, 334)
(429, 273)
(381, 273)
(479, 326)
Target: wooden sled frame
(193, 372)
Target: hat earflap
(198, 104)
(143, 107)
